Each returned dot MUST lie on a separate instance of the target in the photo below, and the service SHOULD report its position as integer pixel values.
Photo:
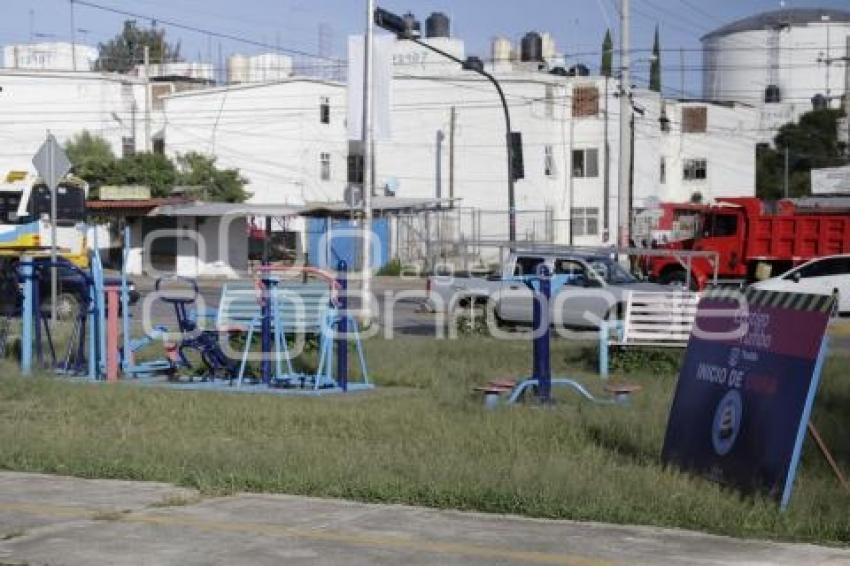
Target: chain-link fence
(464, 237)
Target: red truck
(751, 242)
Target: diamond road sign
(51, 162)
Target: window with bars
(325, 166)
(325, 110)
(585, 101)
(695, 169)
(128, 146)
(585, 221)
(586, 162)
(548, 161)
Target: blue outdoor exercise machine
(541, 381)
(84, 352)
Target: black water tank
(438, 25)
(579, 71)
(411, 24)
(772, 94)
(819, 102)
(531, 48)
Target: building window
(694, 120)
(325, 110)
(128, 146)
(695, 170)
(325, 170)
(355, 162)
(662, 171)
(585, 221)
(586, 162)
(550, 101)
(548, 161)
(585, 101)
(159, 146)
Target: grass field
(421, 438)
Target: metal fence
(458, 235)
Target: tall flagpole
(367, 134)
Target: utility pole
(368, 163)
(847, 91)
(623, 189)
(73, 40)
(147, 63)
(606, 157)
(452, 123)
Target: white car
(826, 275)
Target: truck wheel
(677, 278)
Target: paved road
(57, 520)
(396, 306)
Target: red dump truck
(751, 242)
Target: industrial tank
(438, 25)
(777, 57)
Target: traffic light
(405, 27)
(517, 166)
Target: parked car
(70, 292)
(587, 287)
(828, 275)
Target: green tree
(126, 50)
(213, 184)
(655, 65)
(149, 169)
(607, 55)
(811, 143)
(92, 158)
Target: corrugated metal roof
(226, 209)
(149, 203)
(788, 16)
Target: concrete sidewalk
(58, 520)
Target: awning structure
(181, 207)
(380, 206)
(198, 208)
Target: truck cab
(721, 229)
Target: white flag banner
(382, 76)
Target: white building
(293, 151)
(66, 103)
(778, 61)
(50, 56)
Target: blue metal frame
(804, 422)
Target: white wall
(33, 102)
(270, 132)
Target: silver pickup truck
(587, 288)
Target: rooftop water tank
(501, 49)
(238, 69)
(531, 48)
(438, 25)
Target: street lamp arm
(481, 72)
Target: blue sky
(578, 26)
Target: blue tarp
(326, 247)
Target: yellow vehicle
(25, 224)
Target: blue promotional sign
(746, 388)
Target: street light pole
(623, 188)
(474, 64)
